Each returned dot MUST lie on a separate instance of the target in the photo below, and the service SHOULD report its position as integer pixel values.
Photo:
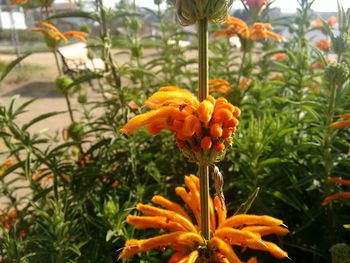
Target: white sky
(285, 5)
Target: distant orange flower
(323, 44)
(332, 21)
(182, 235)
(180, 112)
(345, 122)
(319, 65)
(317, 23)
(219, 86)
(255, 4)
(314, 87)
(340, 195)
(53, 33)
(245, 83)
(279, 56)
(8, 219)
(238, 27)
(133, 105)
(18, 2)
(43, 179)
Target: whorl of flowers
(203, 130)
(339, 195)
(191, 11)
(18, 2)
(54, 36)
(236, 26)
(183, 236)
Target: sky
(285, 5)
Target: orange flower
(43, 179)
(77, 34)
(332, 21)
(340, 195)
(183, 236)
(342, 123)
(18, 2)
(191, 121)
(8, 220)
(323, 44)
(50, 31)
(219, 86)
(279, 56)
(255, 4)
(238, 27)
(245, 83)
(133, 105)
(319, 65)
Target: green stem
(57, 63)
(204, 200)
(203, 59)
(202, 94)
(240, 72)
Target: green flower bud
(76, 131)
(158, 2)
(340, 253)
(341, 43)
(63, 84)
(191, 11)
(337, 73)
(82, 98)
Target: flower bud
(337, 73)
(63, 84)
(205, 110)
(76, 131)
(216, 130)
(206, 143)
(191, 11)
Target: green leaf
(86, 77)
(40, 118)
(12, 65)
(271, 161)
(81, 14)
(153, 171)
(243, 209)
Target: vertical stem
(203, 59)
(57, 63)
(204, 200)
(202, 94)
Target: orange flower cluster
(255, 4)
(238, 27)
(219, 86)
(323, 44)
(202, 129)
(183, 236)
(5, 165)
(8, 220)
(244, 84)
(340, 195)
(332, 21)
(343, 123)
(319, 65)
(43, 179)
(279, 56)
(53, 33)
(18, 2)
